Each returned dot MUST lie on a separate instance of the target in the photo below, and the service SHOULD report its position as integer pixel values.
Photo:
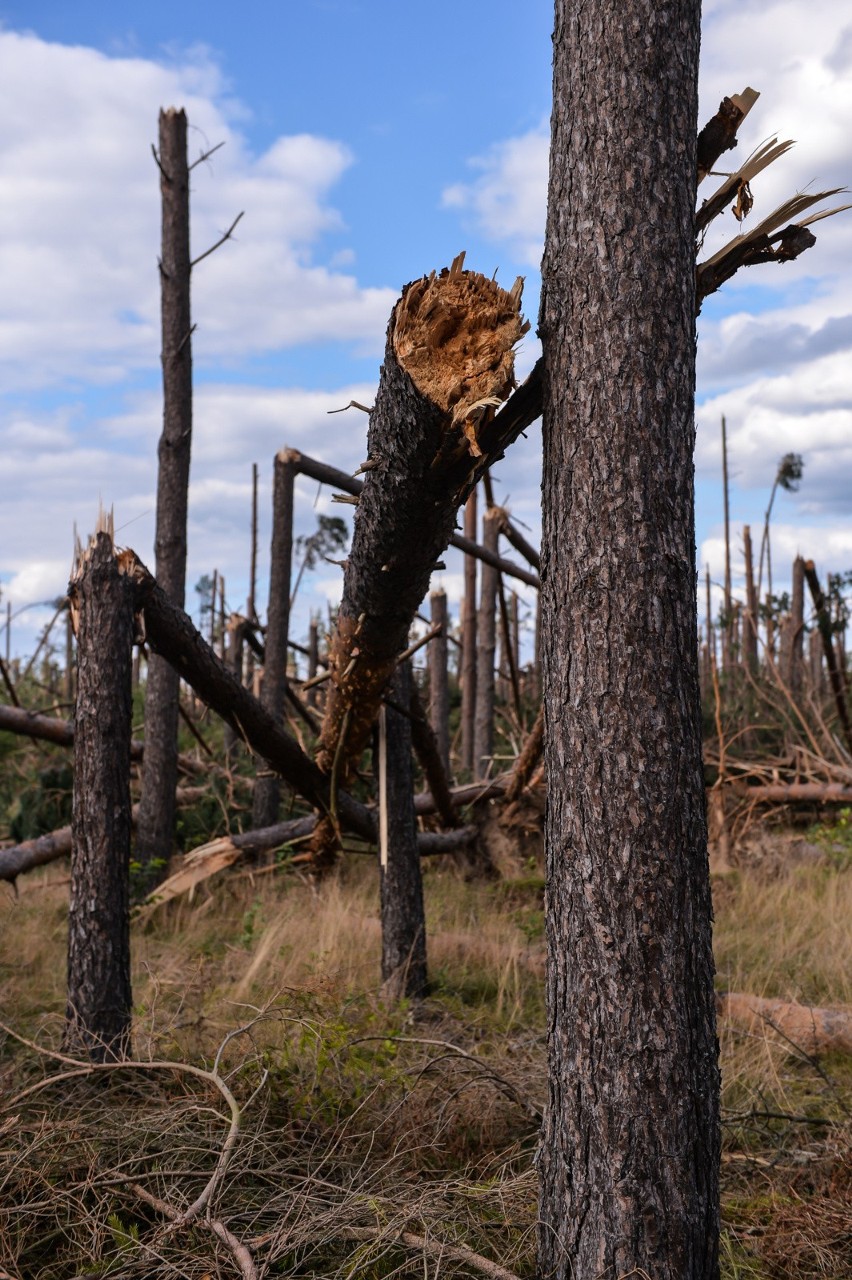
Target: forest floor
(369, 1140)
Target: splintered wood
(454, 333)
(449, 363)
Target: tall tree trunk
(468, 640)
(99, 1008)
(155, 831)
(486, 643)
(273, 690)
(439, 689)
(726, 649)
(750, 620)
(630, 1144)
(403, 918)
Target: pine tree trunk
(468, 640)
(439, 689)
(630, 1144)
(273, 690)
(750, 620)
(155, 832)
(99, 1008)
(403, 918)
(486, 644)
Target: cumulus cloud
(79, 221)
(507, 198)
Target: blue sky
(367, 143)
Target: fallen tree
(801, 1026)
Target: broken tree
(449, 362)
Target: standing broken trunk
(99, 996)
(155, 831)
(403, 919)
(449, 360)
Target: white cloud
(79, 221)
(507, 200)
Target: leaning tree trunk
(449, 360)
(155, 831)
(403, 918)
(630, 1145)
(100, 1003)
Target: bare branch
(227, 236)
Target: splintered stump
(449, 363)
(99, 993)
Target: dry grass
(370, 1150)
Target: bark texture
(468, 641)
(630, 1144)
(449, 359)
(403, 917)
(273, 690)
(486, 645)
(439, 688)
(155, 832)
(98, 1014)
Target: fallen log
(17, 858)
(803, 1027)
(449, 361)
(795, 792)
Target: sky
(366, 143)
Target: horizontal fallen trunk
(795, 792)
(217, 855)
(29, 854)
(809, 1029)
(31, 724)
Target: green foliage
(836, 838)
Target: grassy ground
(376, 1141)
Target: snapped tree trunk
(630, 1144)
(449, 360)
(273, 690)
(439, 689)
(486, 643)
(468, 641)
(155, 832)
(750, 619)
(99, 1008)
(403, 918)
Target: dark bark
(468, 640)
(273, 690)
(155, 833)
(630, 1144)
(797, 641)
(838, 686)
(326, 474)
(403, 918)
(750, 619)
(449, 351)
(171, 633)
(486, 643)
(313, 659)
(98, 1014)
(236, 633)
(439, 688)
(426, 749)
